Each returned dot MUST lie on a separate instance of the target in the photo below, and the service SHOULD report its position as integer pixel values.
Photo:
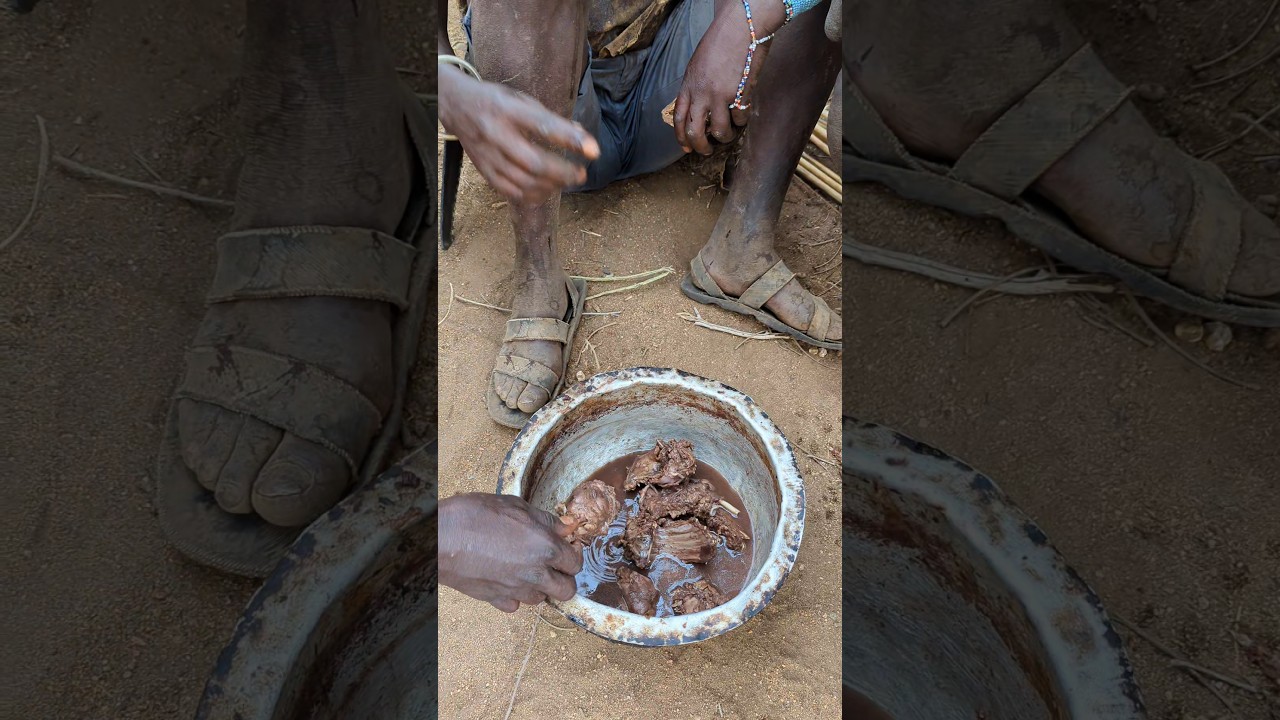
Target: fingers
(506, 605)
(721, 129)
(680, 117)
(558, 585)
(544, 167)
(566, 526)
(696, 129)
(567, 559)
(551, 129)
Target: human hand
(513, 139)
(712, 76)
(501, 549)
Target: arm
(510, 137)
(711, 82)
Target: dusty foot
(739, 252)
(538, 295)
(940, 73)
(327, 145)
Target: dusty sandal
(303, 399)
(992, 176)
(549, 379)
(698, 285)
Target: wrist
(767, 15)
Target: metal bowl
(625, 411)
(345, 627)
(955, 605)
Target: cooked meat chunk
(722, 523)
(668, 463)
(689, 540)
(638, 592)
(637, 538)
(695, 597)
(592, 506)
(695, 498)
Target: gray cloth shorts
(620, 99)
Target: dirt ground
(784, 662)
(1155, 480)
(97, 301)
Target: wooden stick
(727, 506)
(821, 176)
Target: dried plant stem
(41, 171)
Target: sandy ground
(784, 662)
(1156, 481)
(97, 301)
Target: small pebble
(1191, 331)
(1217, 336)
(1153, 92)
(581, 376)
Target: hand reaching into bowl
(502, 550)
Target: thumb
(566, 526)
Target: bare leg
(941, 72)
(793, 87)
(326, 144)
(543, 54)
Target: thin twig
(620, 278)
(1174, 656)
(83, 169)
(1252, 36)
(155, 175)
(989, 288)
(41, 171)
(1038, 285)
(1146, 319)
(1105, 313)
(533, 631)
(1251, 124)
(1271, 54)
(660, 273)
(553, 625)
(818, 460)
(477, 303)
(448, 308)
(696, 318)
(1220, 677)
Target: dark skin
(500, 549)
(519, 146)
(702, 109)
(515, 142)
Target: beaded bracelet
(789, 7)
(737, 103)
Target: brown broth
(728, 570)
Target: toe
(300, 481)
(1257, 272)
(508, 389)
(208, 435)
(254, 446)
(532, 398)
